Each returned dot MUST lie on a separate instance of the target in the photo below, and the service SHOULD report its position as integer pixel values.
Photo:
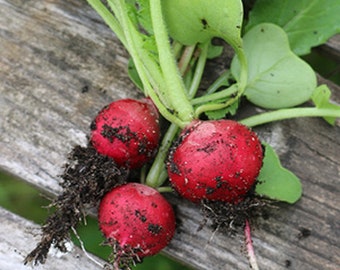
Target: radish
(137, 221)
(128, 131)
(215, 160)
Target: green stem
(153, 178)
(149, 73)
(109, 19)
(241, 84)
(134, 39)
(143, 175)
(164, 111)
(157, 173)
(238, 48)
(176, 91)
(177, 48)
(187, 79)
(196, 80)
(243, 80)
(186, 58)
(216, 96)
(222, 80)
(165, 189)
(282, 114)
(218, 106)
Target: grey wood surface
(19, 236)
(59, 64)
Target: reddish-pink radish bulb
(215, 160)
(137, 219)
(128, 131)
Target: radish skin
(215, 160)
(128, 131)
(137, 220)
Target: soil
(230, 218)
(86, 178)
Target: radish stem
(147, 74)
(175, 91)
(215, 96)
(222, 80)
(109, 19)
(282, 114)
(164, 189)
(154, 178)
(250, 247)
(185, 58)
(198, 71)
(217, 106)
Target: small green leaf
(197, 21)
(321, 99)
(221, 113)
(143, 15)
(308, 23)
(277, 78)
(276, 182)
(214, 51)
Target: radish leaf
(276, 182)
(277, 78)
(197, 21)
(320, 98)
(221, 113)
(214, 51)
(143, 15)
(308, 23)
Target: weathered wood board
(59, 64)
(19, 236)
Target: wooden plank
(59, 64)
(18, 236)
(332, 47)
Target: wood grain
(17, 239)
(59, 64)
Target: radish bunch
(217, 160)
(210, 160)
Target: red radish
(215, 160)
(137, 220)
(128, 131)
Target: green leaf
(214, 51)
(276, 182)
(143, 15)
(321, 99)
(132, 11)
(277, 78)
(308, 23)
(139, 14)
(221, 113)
(197, 21)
